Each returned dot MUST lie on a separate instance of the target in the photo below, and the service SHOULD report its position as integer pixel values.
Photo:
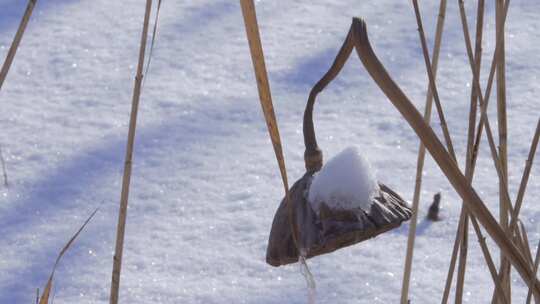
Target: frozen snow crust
(345, 182)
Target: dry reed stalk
(484, 120)
(521, 192)
(487, 256)
(524, 241)
(489, 261)
(487, 93)
(504, 202)
(433, 88)
(121, 228)
(536, 263)
(525, 177)
(152, 43)
(16, 41)
(432, 85)
(4, 171)
(501, 107)
(263, 86)
(438, 152)
(470, 164)
(265, 97)
(421, 157)
(453, 258)
(47, 290)
(485, 250)
(7, 65)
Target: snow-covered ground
(205, 182)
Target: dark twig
(4, 171)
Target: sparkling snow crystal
(345, 182)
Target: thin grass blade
(47, 290)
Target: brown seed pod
(330, 229)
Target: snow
(345, 182)
(205, 183)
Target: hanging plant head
(325, 226)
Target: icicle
(310, 281)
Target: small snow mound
(345, 182)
